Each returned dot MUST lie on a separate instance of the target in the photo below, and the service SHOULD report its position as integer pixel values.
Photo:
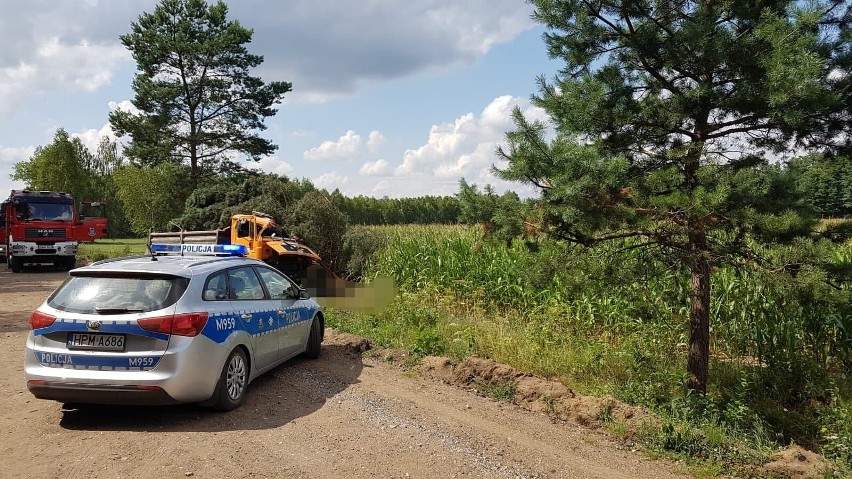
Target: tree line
(144, 197)
(140, 198)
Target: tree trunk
(698, 362)
(194, 172)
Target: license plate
(96, 341)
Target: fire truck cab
(45, 227)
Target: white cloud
(271, 164)
(381, 188)
(68, 45)
(462, 148)
(330, 181)
(55, 65)
(374, 168)
(466, 147)
(376, 140)
(345, 148)
(374, 41)
(92, 138)
(8, 158)
(124, 105)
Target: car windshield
(117, 294)
(48, 211)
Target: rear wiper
(118, 310)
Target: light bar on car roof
(193, 249)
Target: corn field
(764, 317)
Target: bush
(321, 225)
(360, 249)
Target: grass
(110, 248)
(501, 391)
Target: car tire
(233, 381)
(314, 346)
(16, 264)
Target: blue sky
(389, 98)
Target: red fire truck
(46, 227)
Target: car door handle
(281, 312)
(246, 316)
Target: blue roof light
(192, 249)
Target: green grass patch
(500, 390)
(111, 248)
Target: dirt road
(344, 415)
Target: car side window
(217, 288)
(277, 284)
(244, 284)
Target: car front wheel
(314, 346)
(233, 381)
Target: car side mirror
(303, 294)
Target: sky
(390, 98)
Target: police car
(173, 328)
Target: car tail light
(41, 320)
(189, 324)
(185, 324)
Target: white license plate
(96, 341)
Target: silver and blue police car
(168, 329)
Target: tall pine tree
(197, 101)
(663, 117)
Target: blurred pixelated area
(337, 293)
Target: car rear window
(108, 294)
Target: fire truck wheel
(65, 263)
(16, 264)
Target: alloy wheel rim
(236, 377)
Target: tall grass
(609, 321)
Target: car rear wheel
(314, 347)
(233, 381)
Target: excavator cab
(243, 228)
